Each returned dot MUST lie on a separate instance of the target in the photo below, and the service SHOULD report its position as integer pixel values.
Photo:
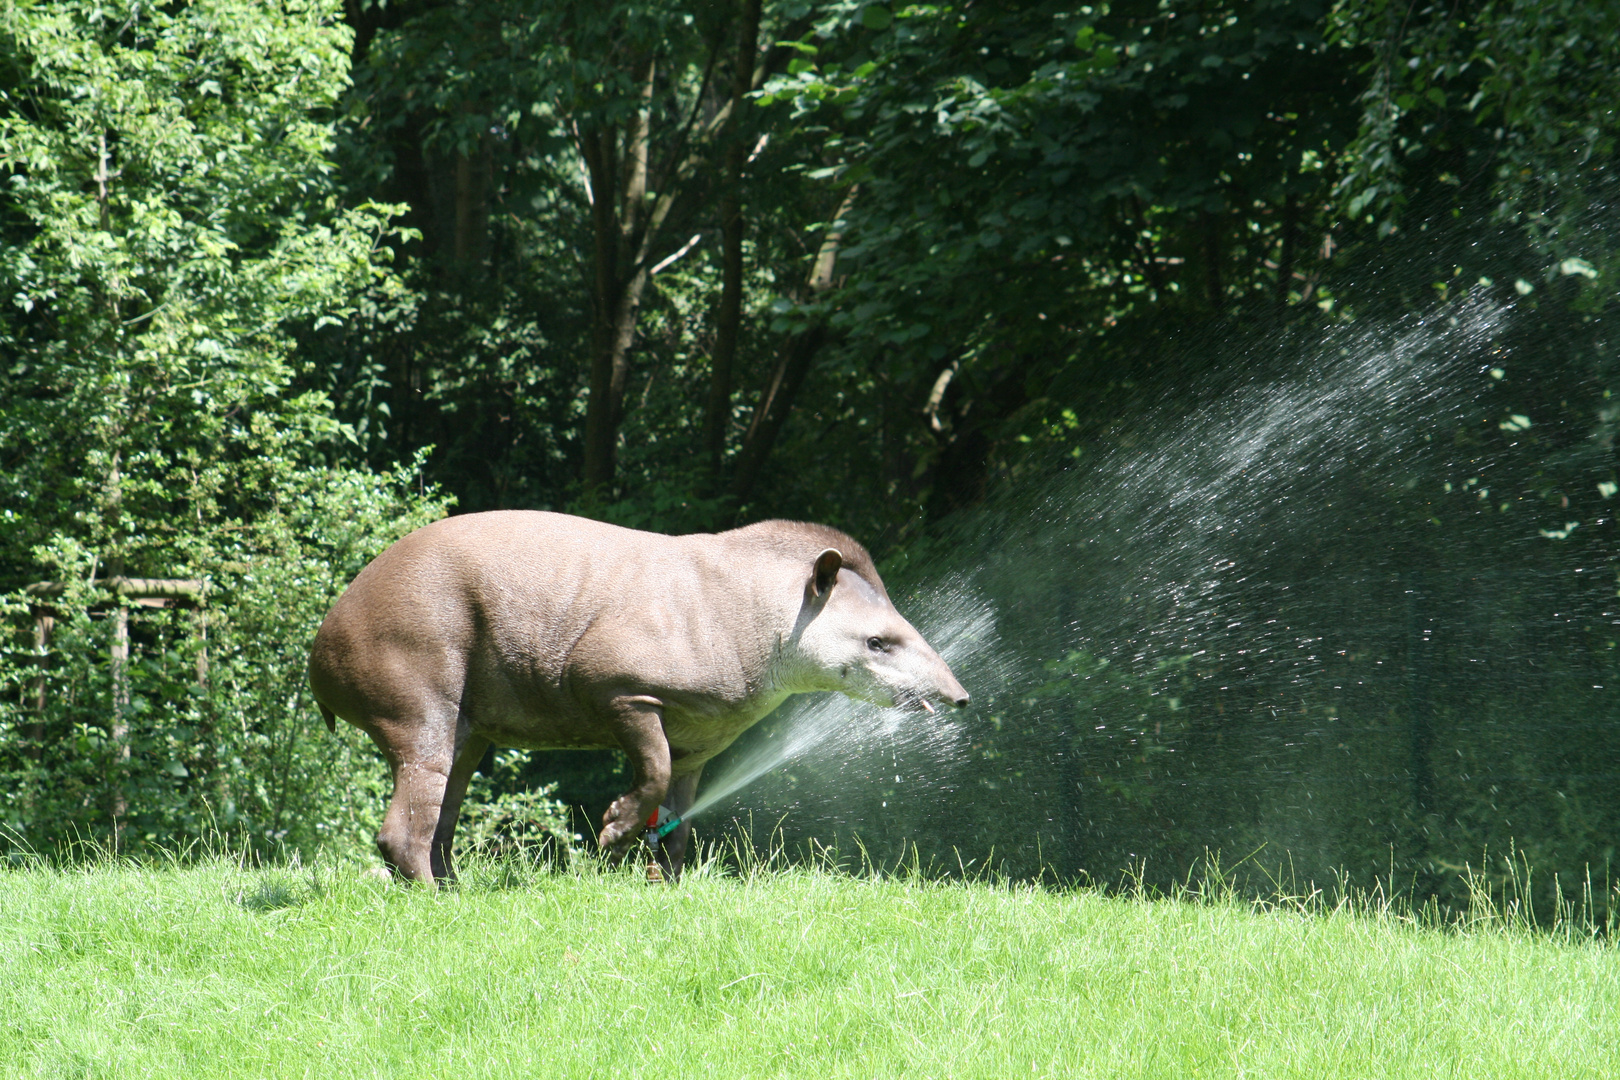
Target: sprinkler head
(660, 824)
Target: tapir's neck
(791, 672)
(777, 611)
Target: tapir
(548, 631)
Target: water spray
(962, 625)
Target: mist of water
(957, 623)
(1356, 611)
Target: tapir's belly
(697, 738)
(532, 714)
(541, 713)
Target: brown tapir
(545, 631)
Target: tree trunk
(717, 414)
(44, 623)
(118, 718)
(626, 221)
(1212, 260)
(119, 727)
(472, 209)
(1420, 720)
(1285, 268)
(793, 364)
(622, 234)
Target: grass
(217, 970)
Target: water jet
(1359, 599)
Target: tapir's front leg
(638, 724)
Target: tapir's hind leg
(406, 837)
(467, 758)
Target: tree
(1047, 193)
(1506, 104)
(168, 220)
(614, 144)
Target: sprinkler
(660, 824)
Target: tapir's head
(852, 640)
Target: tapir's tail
(331, 718)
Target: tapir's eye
(876, 644)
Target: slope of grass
(218, 971)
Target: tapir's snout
(946, 690)
(952, 691)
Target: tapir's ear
(826, 572)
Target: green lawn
(220, 971)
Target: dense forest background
(1037, 299)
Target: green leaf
(1577, 266)
(876, 17)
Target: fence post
(44, 623)
(120, 720)
(202, 648)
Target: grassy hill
(219, 970)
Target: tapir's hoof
(618, 853)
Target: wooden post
(120, 720)
(202, 648)
(44, 623)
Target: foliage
(1506, 100)
(222, 733)
(169, 221)
(893, 267)
(165, 199)
(505, 818)
(580, 144)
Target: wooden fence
(120, 593)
